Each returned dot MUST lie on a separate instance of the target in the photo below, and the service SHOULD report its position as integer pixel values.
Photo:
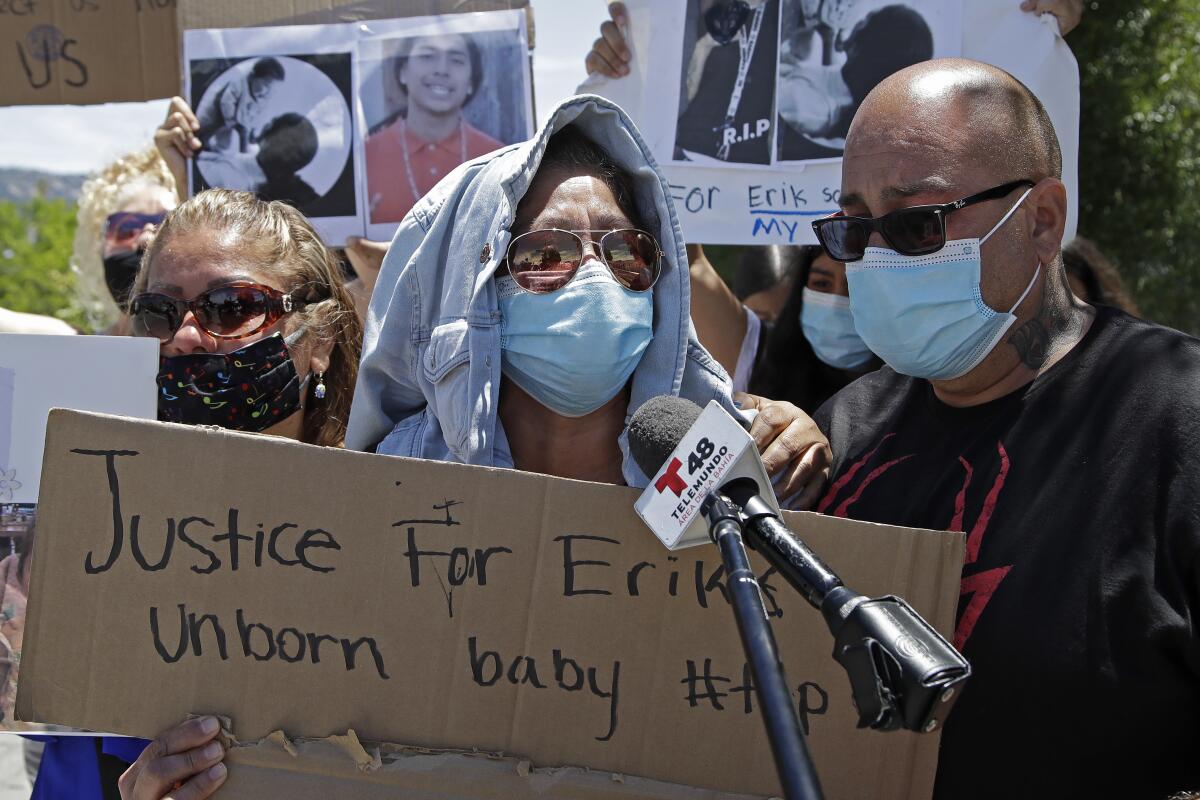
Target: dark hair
(886, 41)
(1083, 259)
(764, 267)
(267, 69)
(25, 549)
(570, 149)
(786, 367)
(473, 53)
(289, 143)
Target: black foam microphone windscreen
(657, 428)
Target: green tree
(1139, 140)
(35, 253)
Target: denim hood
(429, 381)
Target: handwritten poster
(782, 168)
(435, 605)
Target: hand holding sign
(183, 763)
(176, 141)
(610, 54)
(791, 445)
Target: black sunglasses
(226, 312)
(912, 231)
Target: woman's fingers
(175, 756)
(163, 773)
(610, 53)
(202, 785)
(180, 106)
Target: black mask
(119, 274)
(250, 389)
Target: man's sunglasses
(912, 231)
(125, 226)
(545, 260)
(226, 312)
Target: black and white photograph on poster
(833, 52)
(727, 82)
(277, 117)
(436, 92)
(278, 126)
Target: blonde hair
(278, 240)
(101, 195)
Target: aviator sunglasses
(226, 312)
(545, 260)
(912, 231)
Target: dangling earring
(319, 392)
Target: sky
(76, 139)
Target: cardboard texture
(87, 51)
(67, 51)
(435, 605)
(343, 767)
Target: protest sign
(348, 122)
(110, 51)
(439, 606)
(87, 51)
(746, 170)
(38, 373)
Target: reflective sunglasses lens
(543, 261)
(632, 257)
(126, 225)
(914, 232)
(154, 315)
(233, 310)
(845, 238)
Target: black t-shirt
(1080, 499)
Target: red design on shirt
(979, 586)
(837, 486)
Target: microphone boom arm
(903, 673)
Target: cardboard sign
(714, 451)
(109, 51)
(439, 606)
(38, 373)
(737, 202)
(87, 51)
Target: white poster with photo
(435, 92)
(352, 123)
(108, 374)
(276, 114)
(783, 170)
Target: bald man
(1063, 439)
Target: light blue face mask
(572, 350)
(925, 315)
(829, 328)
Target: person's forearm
(719, 317)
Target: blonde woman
(119, 207)
(226, 275)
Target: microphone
(689, 453)
(903, 673)
(707, 450)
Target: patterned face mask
(250, 389)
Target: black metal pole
(796, 772)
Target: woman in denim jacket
(539, 364)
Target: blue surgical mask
(925, 315)
(573, 349)
(829, 328)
